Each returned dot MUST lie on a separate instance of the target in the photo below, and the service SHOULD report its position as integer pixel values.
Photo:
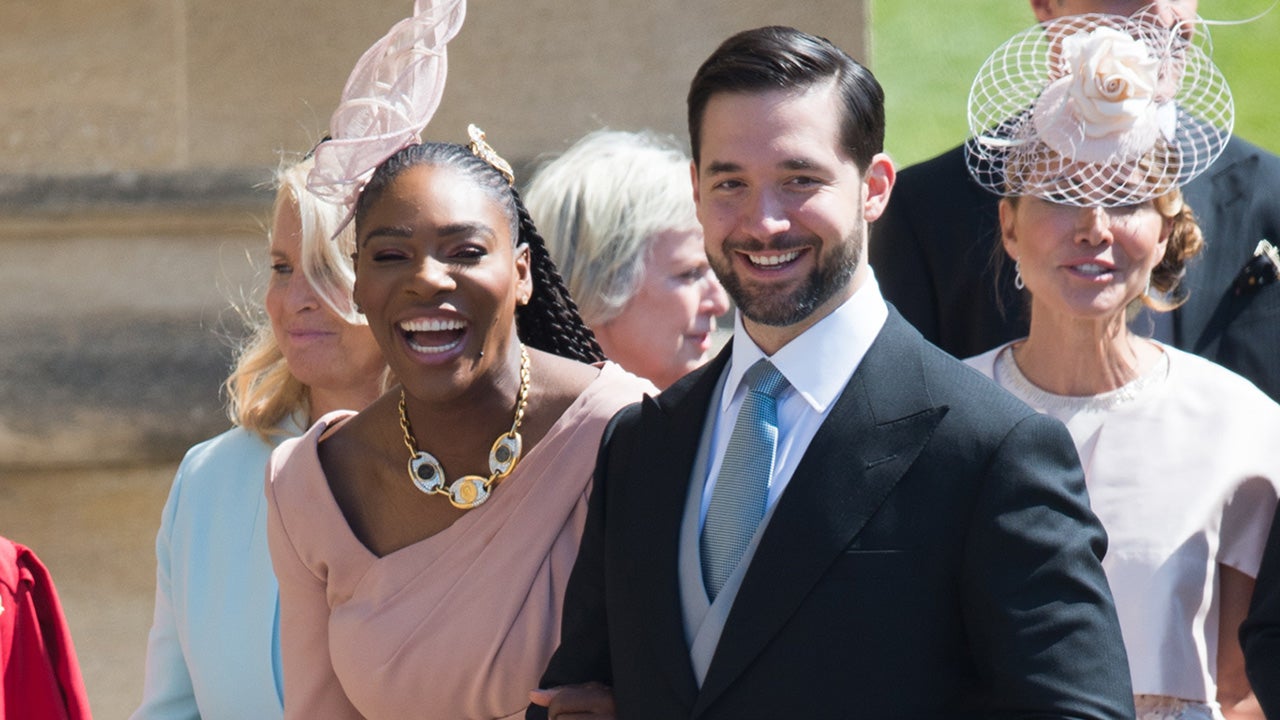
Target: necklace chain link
(469, 491)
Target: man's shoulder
(691, 393)
(1260, 166)
(1238, 148)
(951, 163)
(968, 392)
(938, 190)
(972, 400)
(940, 174)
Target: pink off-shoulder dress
(458, 625)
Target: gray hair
(601, 204)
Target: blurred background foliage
(926, 53)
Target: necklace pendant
(468, 492)
(504, 454)
(426, 472)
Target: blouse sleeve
(1246, 520)
(311, 688)
(167, 692)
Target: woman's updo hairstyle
(1185, 242)
(550, 321)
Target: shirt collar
(819, 362)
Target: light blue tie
(742, 487)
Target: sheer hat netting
(388, 100)
(1097, 111)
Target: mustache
(781, 242)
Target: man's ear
(879, 179)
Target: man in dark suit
(898, 538)
(934, 249)
(1260, 632)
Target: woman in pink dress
(423, 545)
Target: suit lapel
(1214, 199)
(672, 428)
(873, 434)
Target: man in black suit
(921, 544)
(934, 249)
(1260, 632)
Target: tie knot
(764, 378)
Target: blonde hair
(601, 204)
(261, 390)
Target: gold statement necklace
(469, 491)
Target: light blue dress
(214, 647)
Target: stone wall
(136, 137)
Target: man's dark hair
(781, 58)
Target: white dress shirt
(817, 364)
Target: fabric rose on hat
(1096, 110)
(1104, 109)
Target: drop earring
(1017, 275)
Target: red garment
(41, 676)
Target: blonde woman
(214, 646)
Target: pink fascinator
(1097, 111)
(389, 98)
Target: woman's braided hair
(551, 312)
(550, 321)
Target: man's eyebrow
(798, 164)
(721, 166)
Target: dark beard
(776, 310)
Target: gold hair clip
(482, 150)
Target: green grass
(926, 53)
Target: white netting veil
(1097, 111)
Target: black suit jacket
(1260, 632)
(932, 253)
(934, 556)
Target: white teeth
(1091, 268)
(433, 349)
(771, 260)
(431, 325)
(435, 325)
